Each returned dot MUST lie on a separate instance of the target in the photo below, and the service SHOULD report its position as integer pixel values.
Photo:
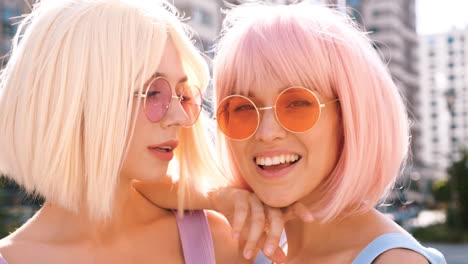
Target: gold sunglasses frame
(258, 109)
(179, 99)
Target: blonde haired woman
(95, 96)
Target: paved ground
(454, 253)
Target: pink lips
(164, 151)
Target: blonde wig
(67, 97)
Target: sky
(435, 16)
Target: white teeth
(167, 148)
(275, 160)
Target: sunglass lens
(298, 109)
(158, 98)
(237, 117)
(191, 101)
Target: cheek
(140, 129)
(137, 140)
(238, 151)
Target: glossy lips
(164, 151)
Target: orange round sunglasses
(297, 109)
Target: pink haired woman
(308, 112)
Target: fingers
(278, 256)
(298, 210)
(257, 226)
(276, 226)
(241, 210)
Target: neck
(130, 211)
(321, 239)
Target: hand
(296, 210)
(260, 225)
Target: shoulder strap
(389, 241)
(2, 260)
(195, 236)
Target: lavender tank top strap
(2, 260)
(195, 236)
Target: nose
(269, 129)
(175, 115)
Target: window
(374, 30)
(9, 28)
(431, 42)
(201, 16)
(434, 115)
(450, 40)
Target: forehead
(170, 66)
(267, 91)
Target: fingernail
(248, 253)
(280, 255)
(235, 235)
(269, 250)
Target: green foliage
(439, 233)
(459, 172)
(15, 206)
(441, 190)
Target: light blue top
(395, 240)
(384, 243)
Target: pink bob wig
(266, 47)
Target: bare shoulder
(400, 255)
(5, 245)
(226, 247)
(12, 250)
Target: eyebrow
(253, 94)
(159, 74)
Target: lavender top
(195, 237)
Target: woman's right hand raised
(256, 225)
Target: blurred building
(9, 9)
(206, 17)
(392, 27)
(444, 81)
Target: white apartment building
(392, 27)
(443, 73)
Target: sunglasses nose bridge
(265, 108)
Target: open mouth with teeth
(277, 162)
(163, 149)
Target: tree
(458, 173)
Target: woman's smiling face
(283, 167)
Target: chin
(275, 199)
(152, 175)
